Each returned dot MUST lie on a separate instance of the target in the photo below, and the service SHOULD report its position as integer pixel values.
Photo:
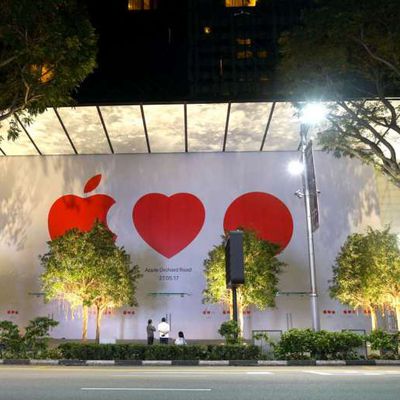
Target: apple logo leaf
(92, 183)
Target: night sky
(135, 60)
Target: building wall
(31, 185)
(233, 51)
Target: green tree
(367, 271)
(261, 268)
(348, 52)
(87, 269)
(32, 344)
(47, 47)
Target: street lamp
(311, 114)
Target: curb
(209, 363)
(302, 363)
(272, 363)
(100, 362)
(156, 362)
(212, 362)
(44, 362)
(387, 362)
(330, 363)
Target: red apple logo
(72, 211)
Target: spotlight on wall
(295, 167)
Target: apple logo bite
(71, 211)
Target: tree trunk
(374, 319)
(240, 318)
(85, 313)
(240, 312)
(98, 323)
(397, 309)
(230, 304)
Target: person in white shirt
(163, 330)
(180, 340)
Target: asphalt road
(205, 383)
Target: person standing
(150, 331)
(163, 330)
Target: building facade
(209, 156)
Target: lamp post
(304, 128)
(310, 114)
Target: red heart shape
(263, 213)
(168, 224)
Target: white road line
(147, 389)
(316, 372)
(350, 371)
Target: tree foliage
(367, 272)
(87, 269)
(230, 330)
(348, 52)
(32, 344)
(47, 47)
(261, 269)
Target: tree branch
(372, 130)
(376, 57)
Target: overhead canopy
(157, 128)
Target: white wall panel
(30, 186)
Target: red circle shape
(263, 213)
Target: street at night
(278, 383)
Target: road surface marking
(317, 372)
(147, 389)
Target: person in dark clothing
(150, 331)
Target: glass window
(262, 54)
(240, 3)
(243, 42)
(139, 5)
(240, 55)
